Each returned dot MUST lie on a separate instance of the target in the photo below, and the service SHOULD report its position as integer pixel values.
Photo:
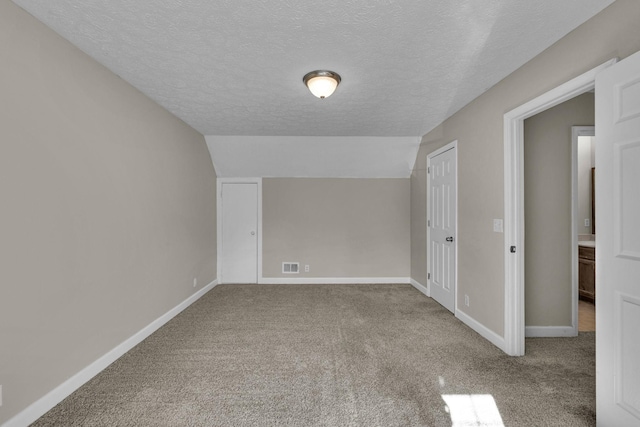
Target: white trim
(55, 396)
(576, 131)
(550, 331)
(334, 280)
(444, 148)
(484, 332)
(419, 286)
(453, 145)
(248, 180)
(514, 333)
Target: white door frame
(576, 131)
(221, 181)
(514, 327)
(449, 146)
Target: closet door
(239, 223)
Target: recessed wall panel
(627, 200)
(627, 352)
(626, 105)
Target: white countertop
(587, 243)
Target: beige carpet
(333, 355)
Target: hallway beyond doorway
(586, 316)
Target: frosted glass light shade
(321, 83)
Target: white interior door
(239, 222)
(442, 198)
(618, 244)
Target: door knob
(253, 233)
(449, 239)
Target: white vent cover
(291, 267)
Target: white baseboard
(550, 331)
(333, 280)
(419, 286)
(484, 332)
(55, 396)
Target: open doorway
(551, 217)
(584, 167)
(514, 200)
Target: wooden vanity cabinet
(587, 273)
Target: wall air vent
(291, 267)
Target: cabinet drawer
(586, 253)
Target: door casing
(514, 262)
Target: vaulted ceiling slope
(313, 156)
(235, 67)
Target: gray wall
(108, 210)
(478, 127)
(341, 227)
(547, 203)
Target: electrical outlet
(498, 226)
(586, 222)
(195, 282)
(306, 268)
(466, 300)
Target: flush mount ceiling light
(321, 83)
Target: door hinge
(428, 223)
(428, 169)
(513, 249)
(428, 276)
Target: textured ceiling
(235, 67)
